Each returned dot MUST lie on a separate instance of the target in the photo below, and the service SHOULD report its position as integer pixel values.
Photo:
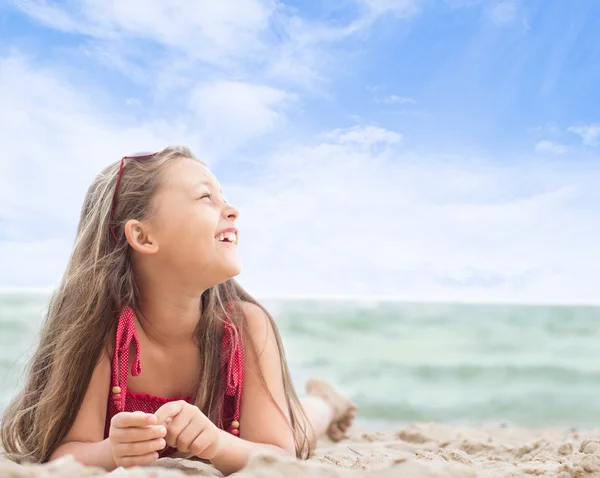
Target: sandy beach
(416, 451)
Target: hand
(189, 430)
(135, 438)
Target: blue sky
(437, 149)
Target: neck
(168, 316)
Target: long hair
(98, 282)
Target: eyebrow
(204, 182)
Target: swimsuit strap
(125, 334)
(232, 351)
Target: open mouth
(230, 237)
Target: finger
(336, 434)
(169, 410)
(141, 460)
(199, 445)
(132, 419)
(348, 419)
(134, 434)
(206, 444)
(139, 448)
(177, 425)
(189, 433)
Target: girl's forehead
(191, 173)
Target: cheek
(185, 237)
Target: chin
(232, 272)
(237, 271)
(220, 271)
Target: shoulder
(90, 422)
(264, 396)
(258, 323)
(254, 315)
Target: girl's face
(193, 229)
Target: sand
(416, 451)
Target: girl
(150, 348)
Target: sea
(530, 365)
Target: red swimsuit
(122, 400)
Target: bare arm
(85, 438)
(135, 438)
(263, 427)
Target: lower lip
(230, 244)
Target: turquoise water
(402, 362)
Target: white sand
(418, 451)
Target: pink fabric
(232, 352)
(232, 356)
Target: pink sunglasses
(143, 155)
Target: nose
(230, 212)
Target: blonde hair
(97, 284)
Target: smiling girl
(150, 348)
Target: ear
(139, 237)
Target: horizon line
(371, 298)
(423, 300)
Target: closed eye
(207, 195)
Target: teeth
(230, 236)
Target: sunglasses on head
(142, 155)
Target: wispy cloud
(53, 129)
(212, 31)
(399, 100)
(461, 3)
(328, 208)
(230, 113)
(551, 147)
(384, 221)
(402, 8)
(503, 12)
(349, 213)
(364, 136)
(589, 133)
(249, 38)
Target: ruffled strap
(233, 367)
(125, 334)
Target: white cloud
(590, 133)
(133, 102)
(392, 99)
(364, 136)
(164, 44)
(33, 264)
(349, 220)
(251, 40)
(231, 113)
(213, 31)
(402, 8)
(47, 14)
(551, 147)
(462, 3)
(399, 100)
(503, 12)
(56, 137)
(350, 214)
(550, 128)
